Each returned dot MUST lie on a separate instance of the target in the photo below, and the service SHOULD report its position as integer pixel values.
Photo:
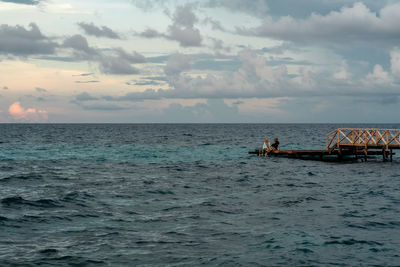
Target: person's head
(266, 140)
(276, 139)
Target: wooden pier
(348, 143)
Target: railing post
(387, 139)
(327, 142)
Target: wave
(28, 176)
(352, 241)
(19, 201)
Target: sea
(191, 195)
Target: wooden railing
(358, 137)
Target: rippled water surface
(178, 195)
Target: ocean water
(190, 194)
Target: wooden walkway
(345, 143)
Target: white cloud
(378, 76)
(20, 113)
(343, 73)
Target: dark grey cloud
(102, 106)
(133, 57)
(186, 36)
(239, 102)
(40, 90)
(84, 74)
(117, 66)
(148, 83)
(151, 33)
(176, 64)
(5, 87)
(148, 94)
(215, 24)
(18, 41)
(59, 58)
(351, 24)
(182, 28)
(24, 2)
(112, 61)
(82, 97)
(80, 45)
(145, 82)
(98, 31)
(82, 100)
(93, 81)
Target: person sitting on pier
(275, 146)
(266, 147)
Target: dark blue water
(179, 195)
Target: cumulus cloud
(102, 31)
(378, 76)
(111, 61)
(343, 73)
(356, 23)
(215, 24)
(176, 64)
(116, 65)
(151, 33)
(218, 45)
(182, 29)
(18, 41)
(19, 113)
(253, 79)
(133, 57)
(80, 45)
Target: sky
(205, 61)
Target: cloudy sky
(199, 61)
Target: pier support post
(391, 155)
(365, 154)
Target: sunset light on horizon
(199, 61)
